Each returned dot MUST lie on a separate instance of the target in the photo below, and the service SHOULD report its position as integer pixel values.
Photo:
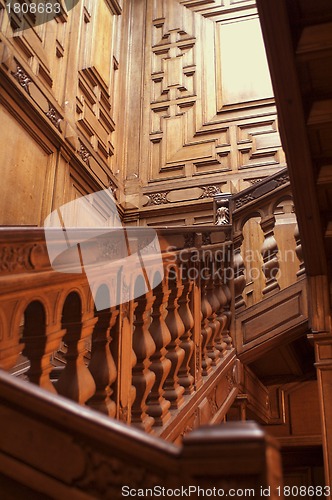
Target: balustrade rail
(269, 289)
(141, 357)
(53, 448)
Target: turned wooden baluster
(186, 379)
(206, 330)
(228, 313)
(220, 295)
(125, 390)
(239, 272)
(158, 406)
(40, 342)
(298, 251)
(270, 258)
(212, 350)
(144, 347)
(173, 390)
(102, 366)
(75, 381)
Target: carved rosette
(84, 154)
(158, 198)
(23, 79)
(15, 259)
(54, 116)
(210, 191)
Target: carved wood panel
(58, 80)
(209, 102)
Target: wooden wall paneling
(131, 94)
(194, 123)
(63, 74)
(95, 85)
(22, 156)
(298, 426)
(280, 317)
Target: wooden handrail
(267, 247)
(54, 447)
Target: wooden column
(323, 354)
(320, 317)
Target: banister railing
(268, 270)
(139, 360)
(267, 247)
(53, 448)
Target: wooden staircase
(169, 362)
